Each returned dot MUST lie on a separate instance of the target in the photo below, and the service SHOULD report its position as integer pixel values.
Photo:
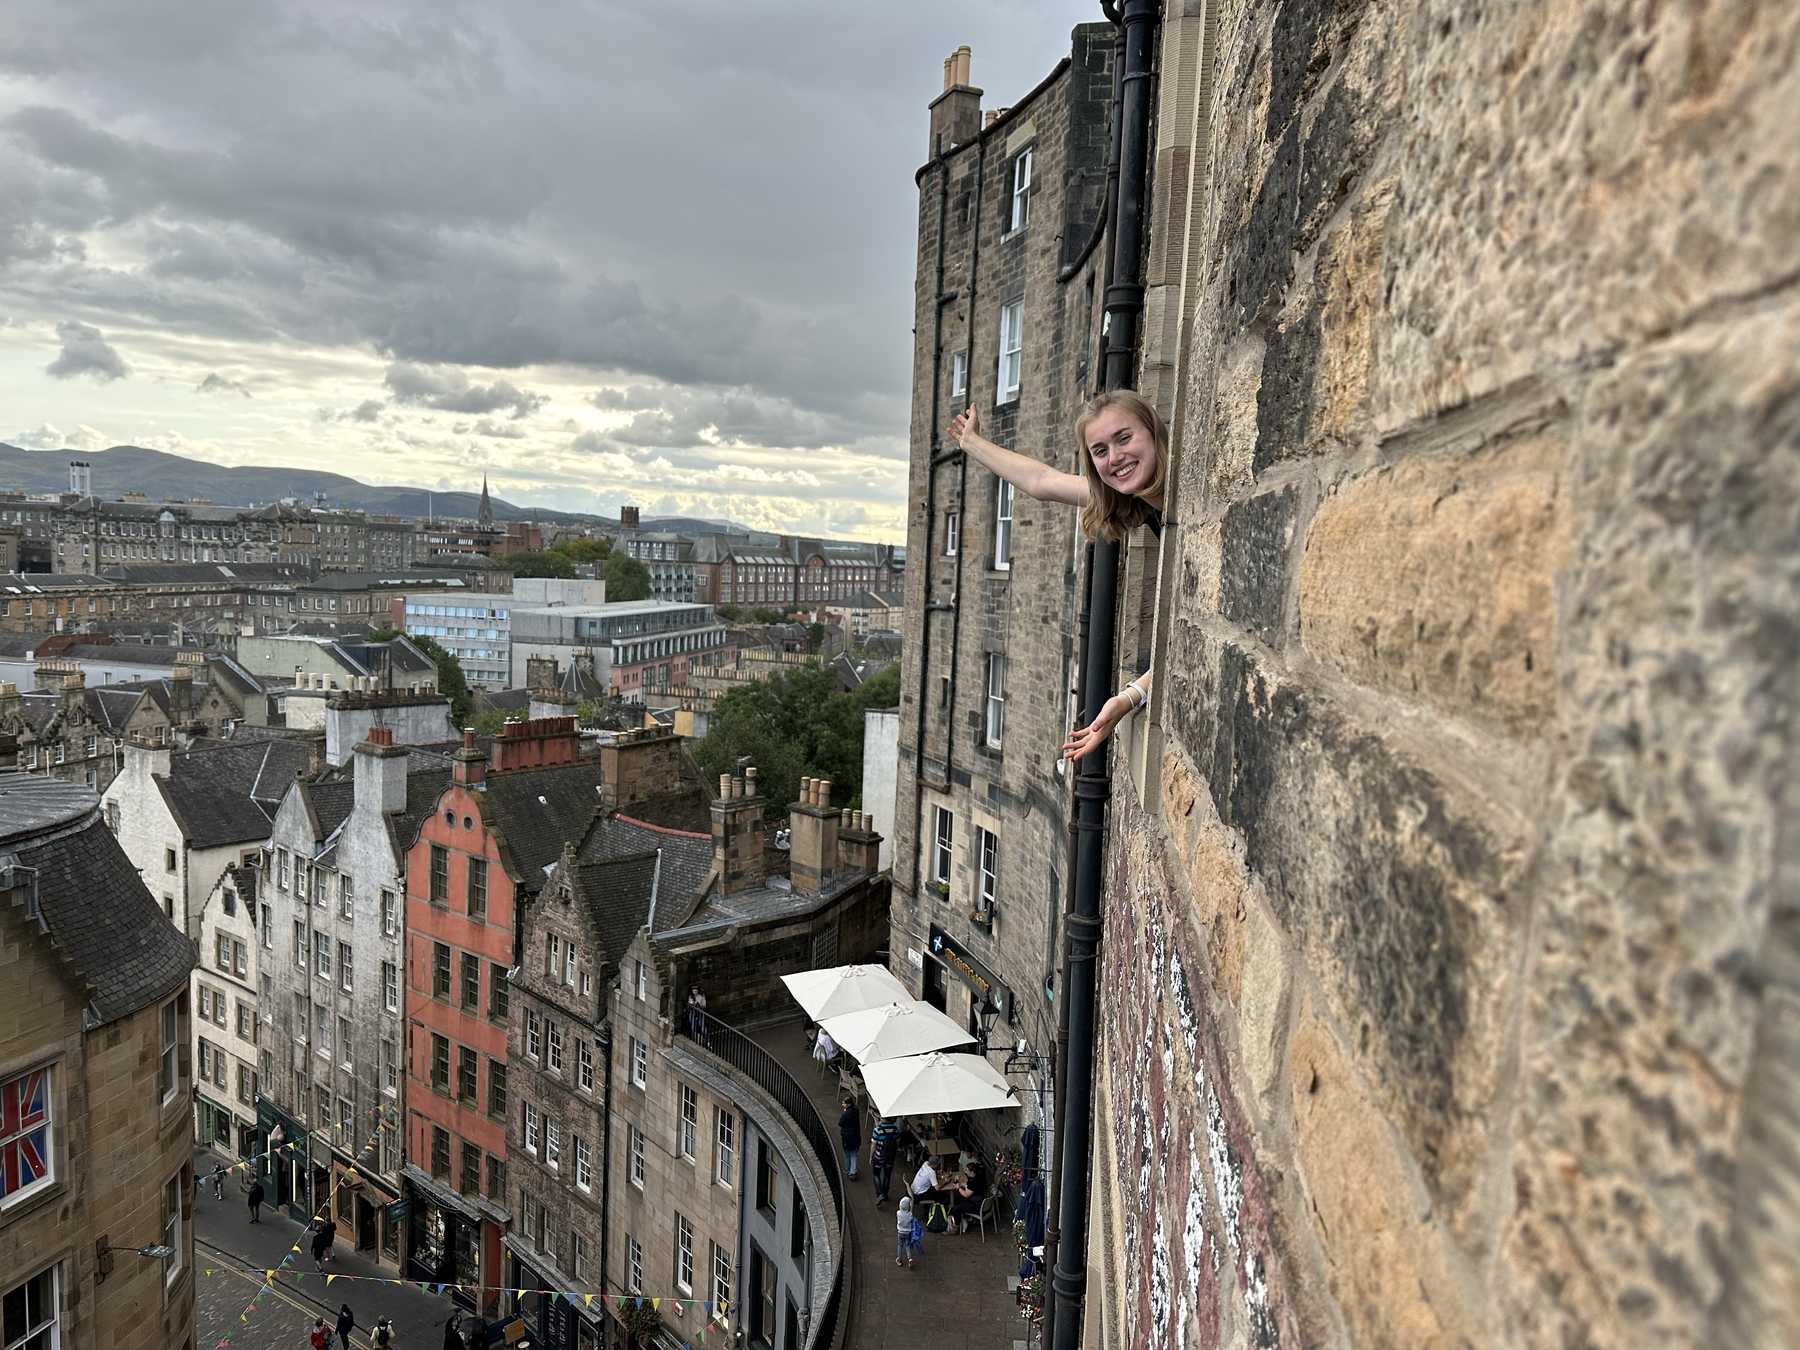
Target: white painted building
(881, 764)
(477, 628)
(183, 816)
(227, 1033)
(334, 1002)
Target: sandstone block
(1398, 887)
(1389, 1263)
(1434, 579)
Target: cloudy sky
(605, 252)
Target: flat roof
(622, 608)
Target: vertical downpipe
(1053, 1225)
(1093, 785)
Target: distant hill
(157, 474)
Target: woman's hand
(965, 424)
(1094, 734)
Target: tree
(815, 634)
(581, 550)
(730, 613)
(490, 722)
(450, 682)
(549, 564)
(765, 616)
(626, 579)
(795, 724)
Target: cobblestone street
(237, 1252)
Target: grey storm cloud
(448, 389)
(480, 190)
(215, 383)
(86, 352)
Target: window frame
(987, 869)
(959, 374)
(687, 1122)
(994, 722)
(169, 1063)
(1005, 504)
(943, 843)
(724, 1148)
(1019, 211)
(173, 1192)
(22, 1134)
(1009, 359)
(952, 533)
(33, 1332)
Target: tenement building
(1006, 318)
(96, 1134)
(1446, 994)
(483, 853)
(333, 878)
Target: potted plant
(982, 918)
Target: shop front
(551, 1320)
(364, 1206)
(443, 1239)
(280, 1145)
(981, 997)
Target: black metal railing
(744, 1055)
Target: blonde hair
(1109, 513)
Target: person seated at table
(924, 1183)
(968, 1193)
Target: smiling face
(1121, 450)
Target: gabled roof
(617, 895)
(228, 793)
(103, 925)
(686, 859)
(423, 788)
(537, 811)
(327, 803)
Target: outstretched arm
(1032, 477)
(1128, 700)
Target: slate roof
(537, 811)
(423, 788)
(686, 859)
(328, 803)
(227, 793)
(111, 705)
(617, 895)
(104, 926)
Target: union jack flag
(24, 1130)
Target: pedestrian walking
(882, 1141)
(907, 1236)
(850, 1134)
(453, 1335)
(320, 1243)
(384, 1334)
(330, 1238)
(256, 1200)
(218, 1181)
(321, 1335)
(346, 1324)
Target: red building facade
(460, 921)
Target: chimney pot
(468, 738)
(824, 786)
(724, 786)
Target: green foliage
(795, 724)
(490, 722)
(815, 633)
(626, 579)
(765, 616)
(641, 1320)
(579, 550)
(383, 634)
(450, 680)
(548, 564)
(730, 613)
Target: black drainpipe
(1107, 227)
(1093, 785)
(962, 467)
(931, 464)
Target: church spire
(486, 515)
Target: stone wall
(1443, 982)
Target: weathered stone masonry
(1442, 985)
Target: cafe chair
(990, 1212)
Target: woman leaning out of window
(1124, 461)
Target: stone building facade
(96, 1130)
(235, 953)
(1008, 213)
(335, 879)
(483, 853)
(1443, 998)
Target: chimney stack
(635, 765)
(470, 764)
(813, 837)
(858, 846)
(737, 833)
(181, 695)
(535, 743)
(380, 770)
(955, 113)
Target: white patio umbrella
(842, 989)
(923, 1084)
(895, 1030)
